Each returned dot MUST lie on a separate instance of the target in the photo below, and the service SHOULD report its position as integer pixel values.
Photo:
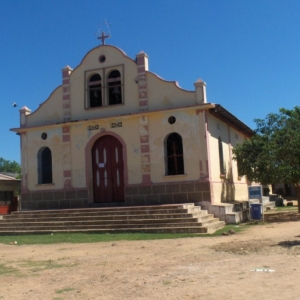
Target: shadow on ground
(289, 244)
(282, 217)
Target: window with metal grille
(221, 157)
(114, 88)
(174, 155)
(44, 165)
(95, 91)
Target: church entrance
(108, 170)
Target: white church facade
(114, 133)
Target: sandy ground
(260, 263)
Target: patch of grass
(41, 265)
(7, 270)
(76, 238)
(286, 208)
(64, 290)
(226, 228)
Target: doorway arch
(108, 170)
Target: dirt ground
(260, 263)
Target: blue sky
(246, 51)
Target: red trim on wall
(144, 139)
(66, 73)
(66, 138)
(141, 69)
(143, 102)
(67, 173)
(145, 148)
(66, 97)
(146, 179)
(68, 184)
(67, 105)
(66, 129)
(66, 81)
(140, 60)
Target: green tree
(272, 155)
(9, 166)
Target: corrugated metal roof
(221, 112)
(6, 177)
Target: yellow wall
(164, 98)
(231, 187)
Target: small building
(10, 188)
(114, 133)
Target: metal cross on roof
(102, 37)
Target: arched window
(221, 157)
(44, 165)
(174, 155)
(95, 91)
(114, 88)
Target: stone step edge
(141, 207)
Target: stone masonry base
(169, 193)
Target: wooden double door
(108, 170)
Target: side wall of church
(226, 186)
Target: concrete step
(107, 209)
(101, 222)
(96, 213)
(160, 218)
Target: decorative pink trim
(66, 73)
(142, 94)
(144, 139)
(146, 179)
(67, 105)
(66, 129)
(67, 173)
(66, 81)
(198, 111)
(145, 148)
(66, 89)
(24, 187)
(143, 103)
(66, 138)
(67, 184)
(145, 158)
(140, 60)
(145, 127)
(141, 69)
(88, 160)
(66, 97)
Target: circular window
(172, 120)
(102, 58)
(44, 135)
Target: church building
(114, 133)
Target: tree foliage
(9, 166)
(272, 155)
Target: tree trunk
(298, 197)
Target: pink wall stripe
(66, 138)
(67, 173)
(145, 148)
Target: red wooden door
(108, 170)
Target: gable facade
(115, 133)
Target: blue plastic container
(256, 211)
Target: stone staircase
(180, 218)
